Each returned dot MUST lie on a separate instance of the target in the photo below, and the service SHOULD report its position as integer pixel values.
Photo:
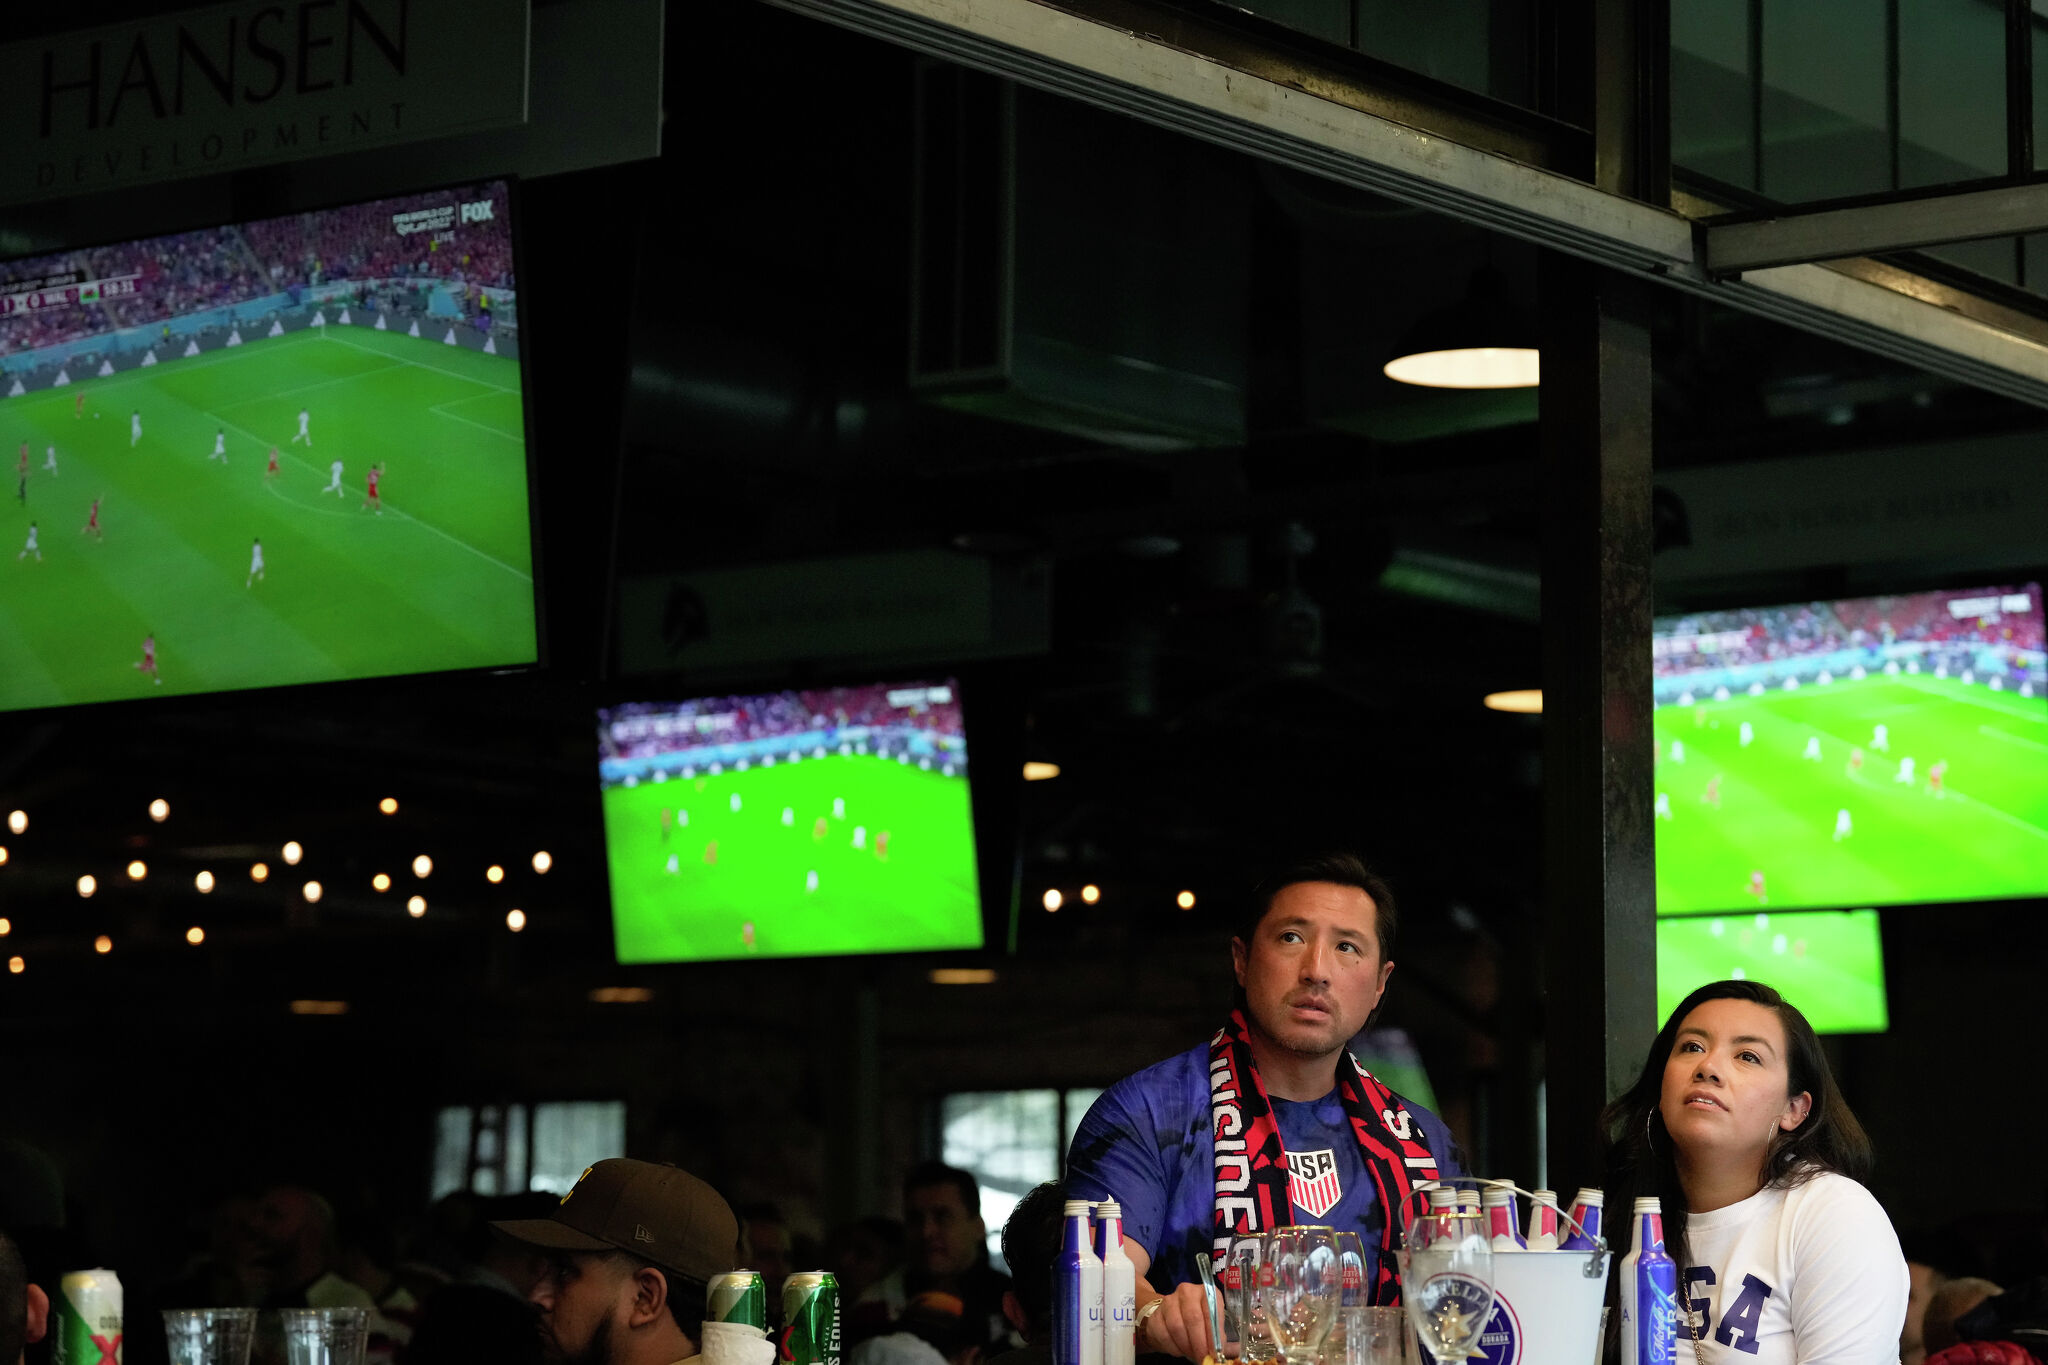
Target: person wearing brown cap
(630, 1252)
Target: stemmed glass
(1447, 1281)
(1302, 1290)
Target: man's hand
(1179, 1325)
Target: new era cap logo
(641, 1234)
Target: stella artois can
(738, 1296)
(88, 1319)
(810, 1319)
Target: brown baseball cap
(658, 1212)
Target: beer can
(738, 1296)
(810, 1319)
(88, 1319)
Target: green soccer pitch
(1829, 963)
(1983, 835)
(442, 580)
(736, 867)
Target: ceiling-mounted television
(811, 822)
(287, 450)
(1830, 963)
(1863, 752)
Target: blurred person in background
(1953, 1301)
(861, 1255)
(1031, 1243)
(487, 1311)
(24, 1308)
(946, 1248)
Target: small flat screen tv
(192, 423)
(1830, 963)
(804, 823)
(1866, 752)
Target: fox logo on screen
(479, 212)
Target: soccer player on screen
(148, 664)
(1663, 811)
(220, 445)
(1746, 734)
(1881, 739)
(1905, 772)
(1855, 762)
(92, 520)
(30, 548)
(1844, 826)
(270, 471)
(303, 435)
(50, 461)
(1936, 775)
(1756, 887)
(376, 473)
(135, 428)
(1812, 753)
(78, 404)
(664, 824)
(334, 480)
(255, 563)
(1678, 751)
(1712, 795)
(21, 475)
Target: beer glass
(1243, 1301)
(1447, 1282)
(1301, 1301)
(209, 1336)
(325, 1336)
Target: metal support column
(1598, 750)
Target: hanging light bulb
(1483, 341)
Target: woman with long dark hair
(1784, 1258)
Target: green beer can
(810, 1317)
(738, 1296)
(88, 1319)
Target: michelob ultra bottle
(1076, 1293)
(1586, 1214)
(1542, 1221)
(87, 1319)
(1649, 1293)
(1119, 1287)
(1499, 1206)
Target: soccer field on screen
(889, 868)
(443, 579)
(1830, 963)
(1981, 834)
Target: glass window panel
(1712, 133)
(1826, 133)
(1480, 45)
(1009, 1139)
(1993, 258)
(569, 1137)
(1077, 1109)
(1326, 19)
(451, 1149)
(1951, 91)
(515, 1147)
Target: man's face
(1312, 973)
(945, 1234)
(578, 1297)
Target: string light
(137, 870)
(515, 920)
(16, 965)
(1091, 893)
(389, 805)
(494, 874)
(381, 881)
(416, 907)
(1053, 899)
(542, 861)
(6, 927)
(1185, 900)
(259, 872)
(204, 881)
(159, 810)
(195, 936)
(18, 822)
(311, 891)
(422, 866)
(103, 945)
(87, 885)
(292, 853)
(3, 856)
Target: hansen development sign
(248, 84)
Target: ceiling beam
(1873, 229)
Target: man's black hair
(13, 1301)
(927, 1175)
(1337, 866)
(1031, 1242)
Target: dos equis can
(88, 1313)
(810, 1319)
(738, 1296)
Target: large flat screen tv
(1830, 963)
(1873, 751)
(790, 824)
(192, 424)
